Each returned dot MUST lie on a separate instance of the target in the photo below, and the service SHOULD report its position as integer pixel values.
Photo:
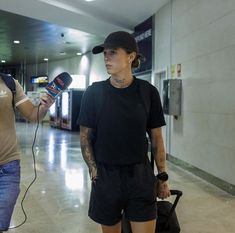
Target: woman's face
(117, 61)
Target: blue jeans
(9, 191)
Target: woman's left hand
(163, 190)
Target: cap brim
(98, 49)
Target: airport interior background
(190, 51)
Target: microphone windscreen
(60, 83)
(63, 80)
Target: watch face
(165, 177)
(162, 176)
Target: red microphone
(59, 84)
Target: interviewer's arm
(29, 111)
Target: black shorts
(123, 189)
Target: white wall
(202, 39)
(98, 70)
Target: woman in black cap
(113, 122)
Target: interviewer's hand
(46, 101)
(163, 190)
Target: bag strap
(144, 90)
(145, 94)
(99, 98)
(10, 83)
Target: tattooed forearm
(87, 150)
(159, 157)
(158, 150)
(88, 156)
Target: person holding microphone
(9, 148)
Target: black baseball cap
(119, 39)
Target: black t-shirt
(122, 123)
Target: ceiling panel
(39, 39)
(58, 29)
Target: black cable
(35, 173)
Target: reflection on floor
(58, 200)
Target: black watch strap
(163, 176)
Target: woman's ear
(132, 57)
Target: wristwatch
(163, 176)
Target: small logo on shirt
(3, 94)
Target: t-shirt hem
(10, 159)
(85, 125)
(157, 126)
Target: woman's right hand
(93, 174)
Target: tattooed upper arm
(85, 135)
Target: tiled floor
(58, 201)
